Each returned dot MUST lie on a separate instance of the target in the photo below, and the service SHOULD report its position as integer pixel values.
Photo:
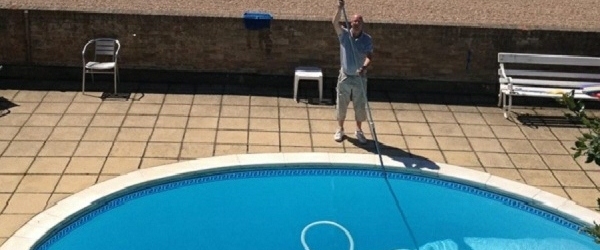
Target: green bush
(588, 145)
(594, 231)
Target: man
(356, 52)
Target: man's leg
(359, 101)
(359, 125)
(341, 106)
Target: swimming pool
(310, 201)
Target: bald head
(357, 17)
(356, 23)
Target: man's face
(356, 22)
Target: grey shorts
(351, 88)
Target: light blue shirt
(362, 46)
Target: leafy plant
(588, 144)
(594, 231)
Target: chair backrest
(546, 66)
(566, 60)
(105, 47)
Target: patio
(56, 143)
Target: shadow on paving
(409, 160)
(536, 121)
(482, 94)
(5, 106)
(536, 115)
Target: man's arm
(366, 63)
(336, 18)
(368, 59)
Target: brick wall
(210, 44)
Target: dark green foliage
(587, 145)
(594, 231)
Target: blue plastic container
(257, 20)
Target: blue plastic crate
(257, 20)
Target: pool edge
(36, 228)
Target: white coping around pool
(39, 225)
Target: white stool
(308, 73)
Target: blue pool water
(335, 208)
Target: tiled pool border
(37, 228)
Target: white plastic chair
(104, 61)
(308, 73)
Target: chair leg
(504, 105)
(296, 80)
(508, 110)
(83, 83)
(320, 90)
(500, 96)
(118, 77)
(115, 79)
